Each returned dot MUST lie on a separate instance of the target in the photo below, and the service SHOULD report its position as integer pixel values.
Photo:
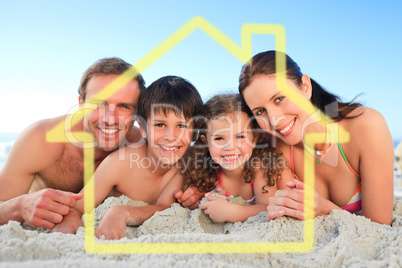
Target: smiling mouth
(230, 157)
(109, 130)
(286, 130)
(170, 149)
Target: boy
(144, 171)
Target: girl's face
(230, 140)
(274, 112)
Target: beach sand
(341, 240)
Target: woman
(356, 176)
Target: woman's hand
(290, 202)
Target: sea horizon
(7, 140)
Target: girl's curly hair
(197, 165)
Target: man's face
(112, 121)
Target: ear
(203, 138)
(142, 130)
(80, 101)
(306, 86)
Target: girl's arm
(114, 222)
(221, 210)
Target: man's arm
(29, 155)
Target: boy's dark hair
(169, 93)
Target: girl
(224, 158)
(356, 176)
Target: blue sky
(350, 47)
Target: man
(39, 179)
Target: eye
(159, 125)
(182, 126)
(259, 112)
(279, 99)
(240, 137)
(124, 106)
(218, 139)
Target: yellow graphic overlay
(62, 133)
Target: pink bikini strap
(291, 159)
(293, 163)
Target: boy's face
(169, 136)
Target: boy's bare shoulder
(125, 156)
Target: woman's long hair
(265, 63)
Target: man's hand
(71, 222)
(190, 198)
(47, 207)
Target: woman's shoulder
(364, 118)
(367, 128)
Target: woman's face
(274, 112)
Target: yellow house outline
(62, 133)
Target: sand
(341, 240)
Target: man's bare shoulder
(31, 155)
(32, 143)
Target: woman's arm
(376, 166)
(288, 199)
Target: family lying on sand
(227, 148)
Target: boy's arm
(190, 198)
(113, 223)
(29, 155)
(106, 176)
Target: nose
(171, 134)
(231, 144)
(272, 119)
(109, 116)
